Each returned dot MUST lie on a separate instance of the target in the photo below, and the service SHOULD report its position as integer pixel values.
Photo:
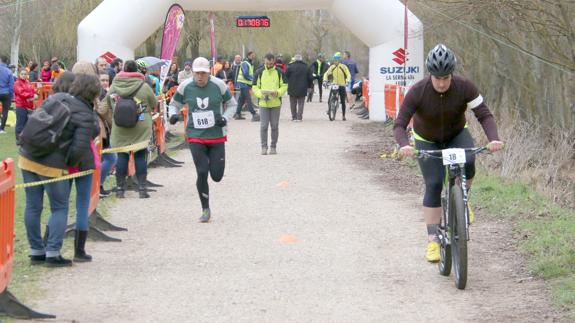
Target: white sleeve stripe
(475, 102)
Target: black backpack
(43, 130)
(127, 110)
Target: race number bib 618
(204, 119)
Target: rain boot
(142, 186)
(80, 254)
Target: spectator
(225, 73)
(280, 63)
(55, 71)
(86, 89)
(352, 67)
(318, 69)
(106, 121)
(6, 91)
(101, 64)
(115, 68)
(234, 73)
(186, 73)
(129, 82)
(299, 79)
(77, 153)
(46, 72)
(33, 72)
(24, 95)
(218, 65)
(269, 86)
(171, 78)
(245, 79)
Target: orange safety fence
(365, 92)
(7, 210)
(43, 90)
(394, 95)
(95, 192)
(160, 128)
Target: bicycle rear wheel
(333, 103)
(458, 236)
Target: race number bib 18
(453, 156)
(204, 119)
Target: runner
(206, 97)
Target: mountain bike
(333, 101)
(453, 231)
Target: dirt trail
(307, 235)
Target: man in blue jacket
(6, 90)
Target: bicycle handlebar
(438, 153)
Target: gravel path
(303, 236)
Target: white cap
(201, 64)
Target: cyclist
(207, 97)
(437, 105)
(338, 74)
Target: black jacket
(314, 69)
(299, 78)
(75, 150)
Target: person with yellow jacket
(338, 74)
(269, 86)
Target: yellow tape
(137, 146)
(134, 147)
(55, 179)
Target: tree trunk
(15, 46)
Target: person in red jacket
(24, 95)
(46, 73)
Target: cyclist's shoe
(470, 212)
(432, 251)
(205, 216)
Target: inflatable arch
(121, 26)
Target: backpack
(127, 110)
(43, 130)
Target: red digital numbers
(253, 22)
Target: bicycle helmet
(142, 66)
(440, 61)
(337, 56)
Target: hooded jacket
(125, 83)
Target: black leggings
(433, 170)
(342, 98)
(6, 100)
(208, 159)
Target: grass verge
(546, 232)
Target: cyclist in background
(338, 74)
(437, 105)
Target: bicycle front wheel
(458, 236)
(333, 103)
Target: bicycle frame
(453, 173)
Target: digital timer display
(252, 21)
